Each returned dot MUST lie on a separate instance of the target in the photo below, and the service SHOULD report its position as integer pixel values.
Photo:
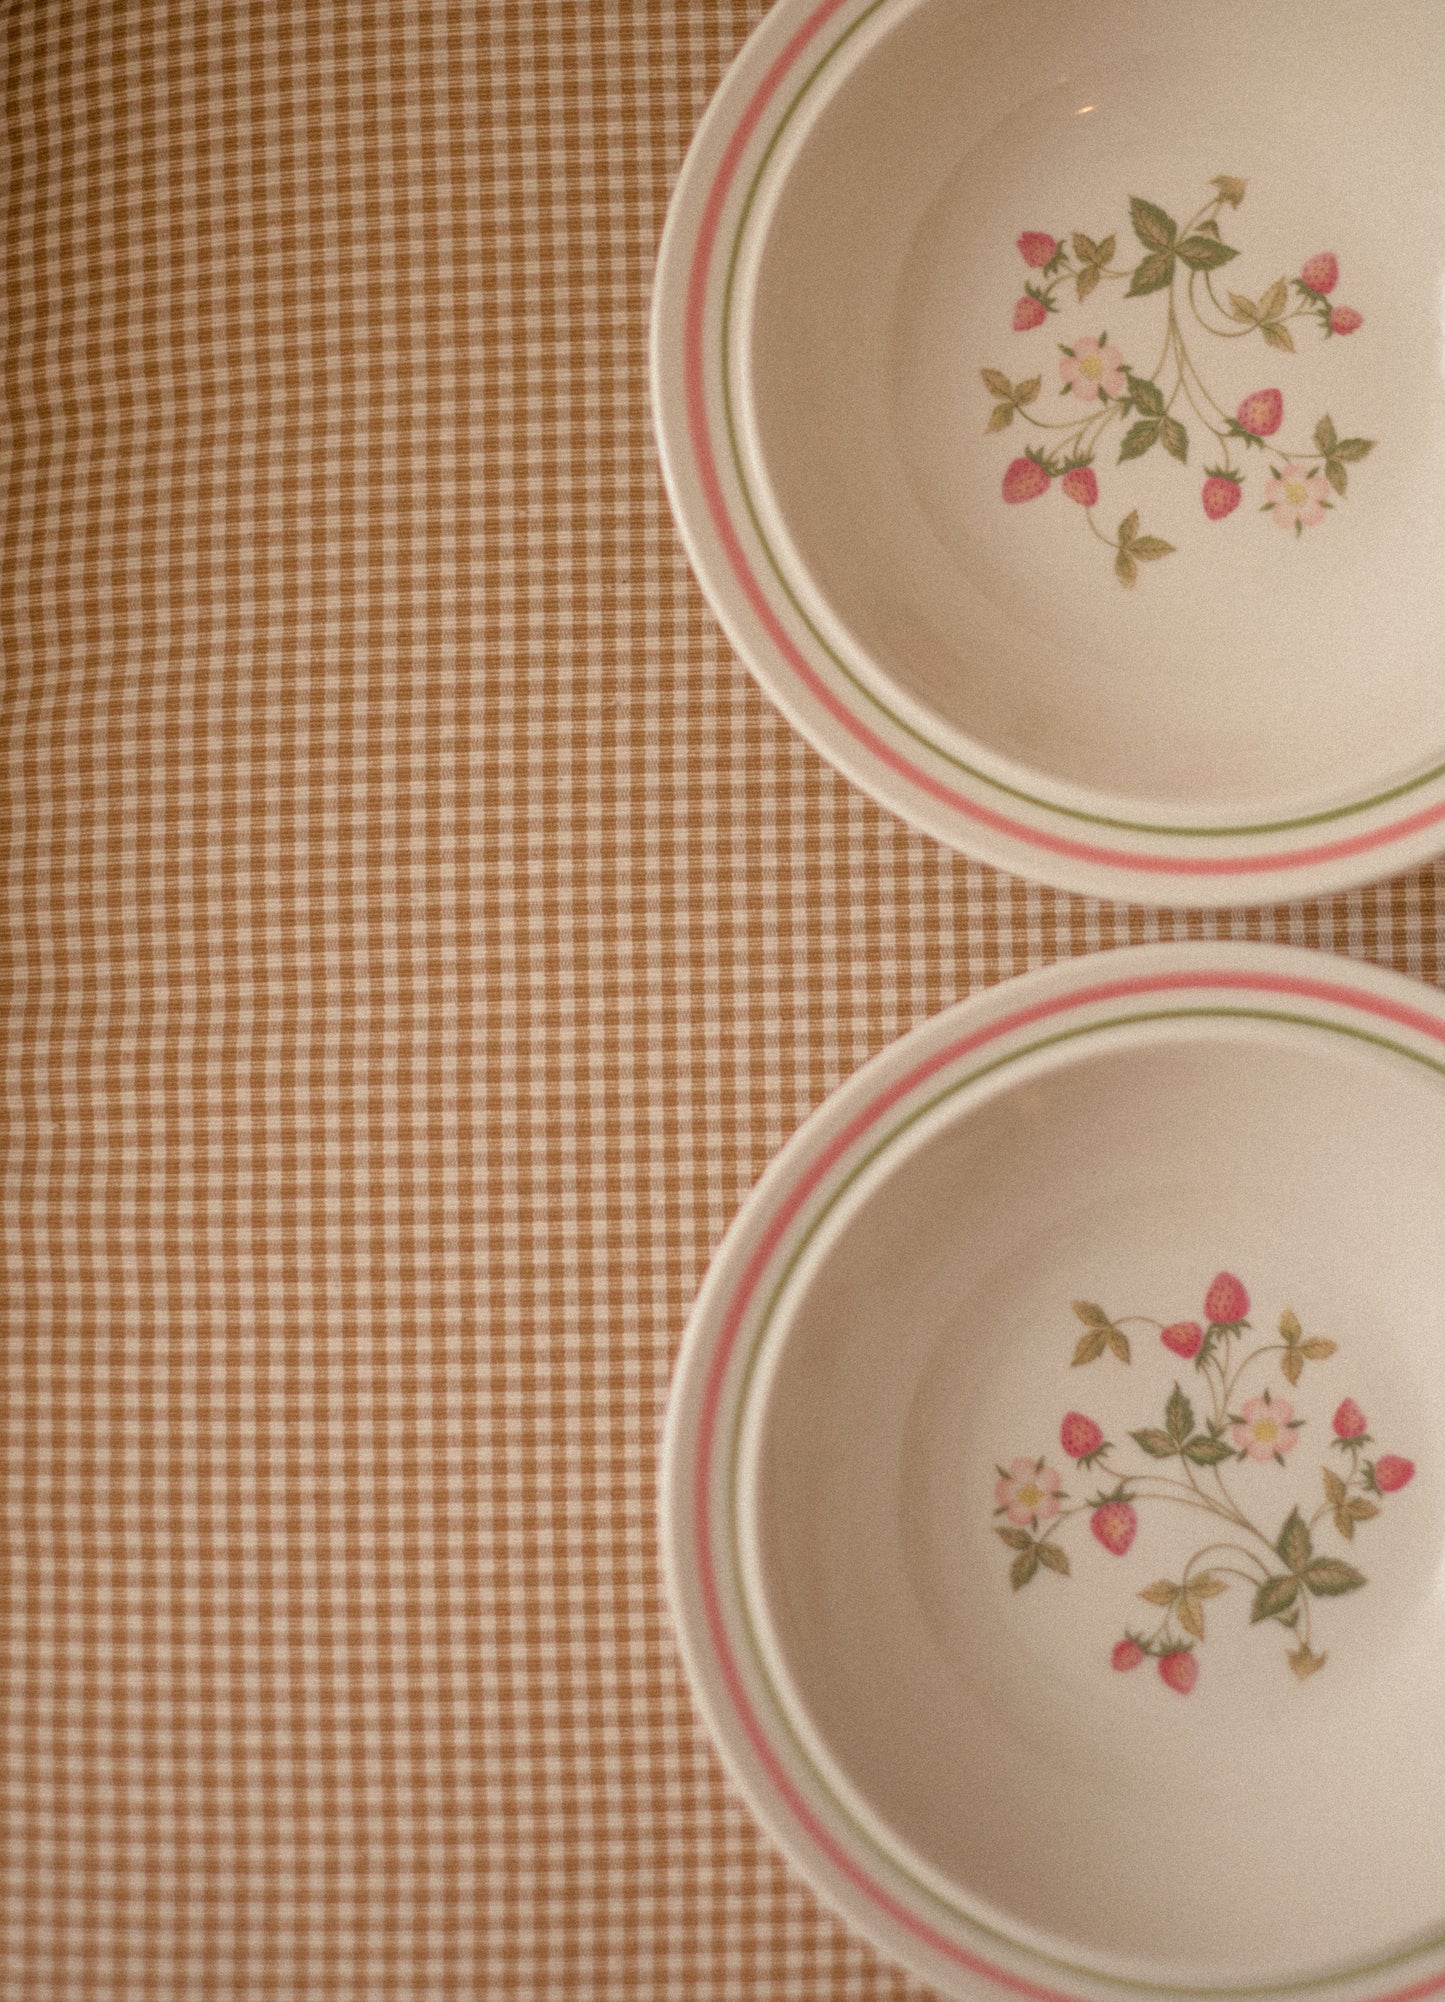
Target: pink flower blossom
(1029, 1491)
(1297, 496)
(1264, 1428)
(1093, 367)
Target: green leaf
(1294, 1544)
(1160, 1593)
(1119, 1343)
(1158, 1445)
(1277, 336)
(1338, 478)
(1274, 1597)
(1191, 1616)
(1016, 1539)
(1001, 417)
(1245, 309)
(1331, 1578)
(1087, 279)
(1091, 1346)
(1273, 302)
(1317, 1349)
(1304, 1663)
(1090, 1315)
(1056, 1559)
(1207, 1452)
(1024, 1566)
(1140, 437)
(1209, 227)
(1205, 253)
(1126, 569)
(1149, 548)
(1352, 450)
(1176, 440)
(1154, 229)
(1107, 248)
(1359, 1510)
(1334, 1487)
(1152, 274)
(1146, 395)
(1293, 1365)
(1085, 249)
(996, 382)
(1207, 1586)
(1128, 528)
(1231, 188)
(1325, 442)
(1178, 1416)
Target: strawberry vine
(1169, 407)
(1282, 1571)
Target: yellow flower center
(1092, 366)
(1030, 1495)
(1296, 492)
(1265, 1431)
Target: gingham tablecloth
(417, 935)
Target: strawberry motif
(1220, 495)
(1261, 413)
(1115, 1524)
(1345, 320)
(1025, 480)
(1185, 1338)
(1226, 1303)
(1128, 1654)
(1349, 1421)
(1392, 1473)
(1179, 1669)
(1037, 248)
(1321, 274)
(1080, 1436)
(1029, 312)
(1081, 484)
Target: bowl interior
(1260, 1827)
(1249, 672)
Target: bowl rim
(928, 772)
(1111, 1000)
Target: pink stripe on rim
(1326, 991)
(985, 816)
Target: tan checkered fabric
(417, 934)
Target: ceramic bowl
(1051, 398)
(1051, 1493)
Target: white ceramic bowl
(1225, 221)
(1051, 1491)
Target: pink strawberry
(1321, 274)
(1392, 1473)
(1350, 1421)
(1261, 413)
(1116, 1525)
(1029, 312)
(1037, 248)
(1220, 495)
(1345, 320)
(1079, 1436)
(1081, 484)
(1025, 480)
(1179, 1669)
(1128, 1654)
(1226, 1302)
(1186, 1338)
